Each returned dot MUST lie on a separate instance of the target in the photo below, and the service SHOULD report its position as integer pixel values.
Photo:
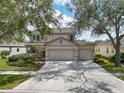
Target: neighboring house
(105, 48)
(62, 46)
(13, 48)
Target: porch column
(46, 55)
(76, 55)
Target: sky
(68, 16)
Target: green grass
(11, 81)
(5, 67)
(121, 77)
(110, 67)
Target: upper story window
(71, 37)
(37, 37)
(17, 49)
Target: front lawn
(5, 67)
(11, 81)
(111, 68)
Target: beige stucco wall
(122, 50)
(51, 37)
(61, 41)
(103, 50)
(55, 36)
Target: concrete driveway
(67, 77)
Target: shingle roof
(63, 30)
(12, 43)
(61, 38)
(106, 42)
(83, 42)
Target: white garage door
(85, 54)
(60, 55)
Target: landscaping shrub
(22, 59)
(122, 57)
(99, 61)
(112, 58)
(98, 56)
(20, 62)
(11, 63)
(29, 62)
(4, 54)
(13, 58)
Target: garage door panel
(60, 55)
(85, 54)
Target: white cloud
(63, 19)
(57, 13)
(66, 20)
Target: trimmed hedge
(4, 54)
(22, 59)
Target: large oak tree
(102, 17)
(17, 15)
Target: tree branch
(111, 38)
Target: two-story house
(61, 45)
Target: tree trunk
(118, 58)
